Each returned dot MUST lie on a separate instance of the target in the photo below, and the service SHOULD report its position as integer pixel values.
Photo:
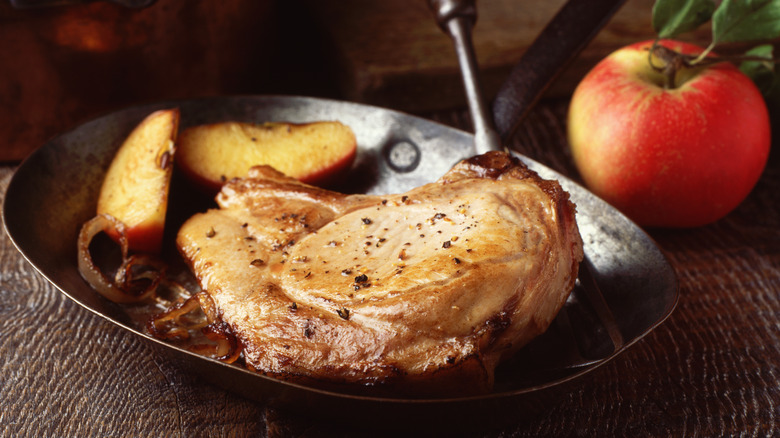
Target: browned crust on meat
(389, 339)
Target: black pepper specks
(308, 330)
(343, 313)
(446, 244)
(279, 245)
(165, 160)
(361, 281)
(257, 262)
(366, 221)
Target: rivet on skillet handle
(572, 28)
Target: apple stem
(671, 60)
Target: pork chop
(427, 290)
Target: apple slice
(135, 188)
(315, 153)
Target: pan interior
(55, 190)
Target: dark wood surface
(390, 54)
(712, 369)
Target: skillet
(626, 288)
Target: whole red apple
(679, 156)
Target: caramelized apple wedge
(210, 155)
(135, 188)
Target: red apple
(670, 157)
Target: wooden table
(712, 369)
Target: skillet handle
(572, 28)
(457, 18)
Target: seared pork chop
(427, 290)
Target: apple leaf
(674, 17)
(746, 20)
(762, 72)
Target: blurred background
(63, 62)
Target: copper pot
(60, 65)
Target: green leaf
(762, 72)
(674, 17)
(763, 51)
(746, 20)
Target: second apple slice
(313, 152)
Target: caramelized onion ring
(126, 275)
(171, 325)
(174, 324)
(120, 290)
(228, 349)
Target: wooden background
(391, 53)
(712, 369)
(63, 66)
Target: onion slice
(123, 288)
(227, 348)
(177, 322)
(138, 278)
(173, 324)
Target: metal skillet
(626, 289)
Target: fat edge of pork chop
(424, 291)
